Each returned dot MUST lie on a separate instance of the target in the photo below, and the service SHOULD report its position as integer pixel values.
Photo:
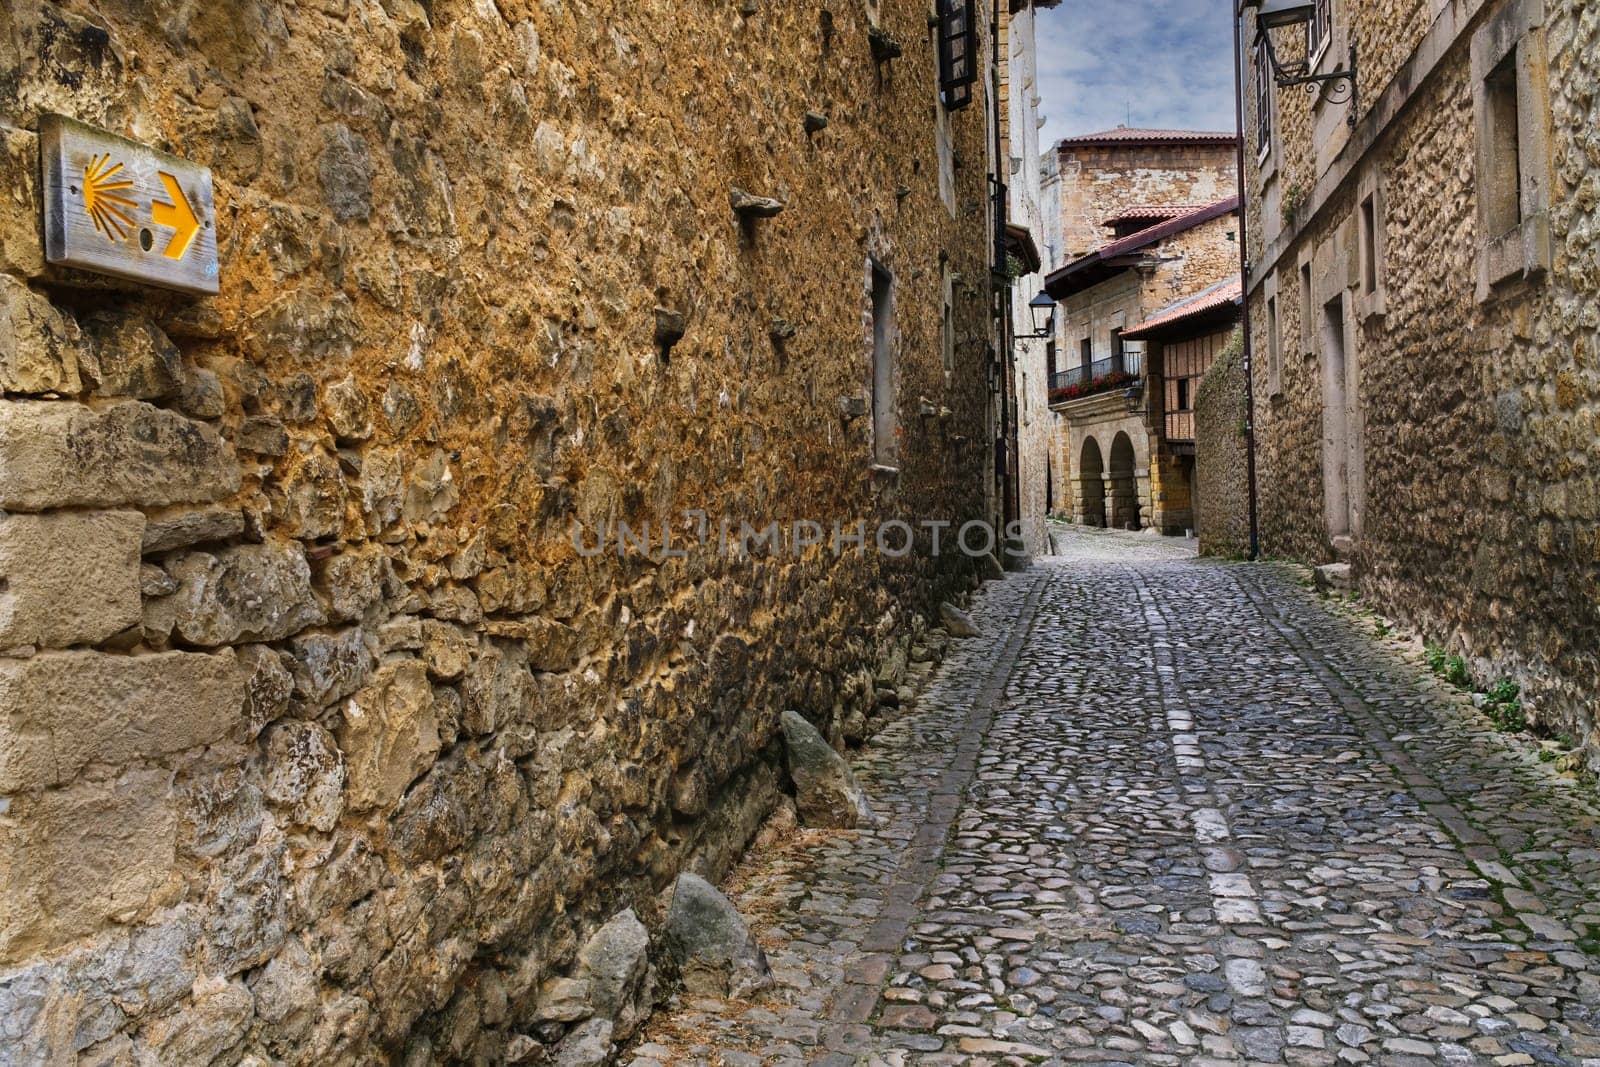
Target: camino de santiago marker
(118, 207)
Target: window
(1308, 326)
(1086, 354)
(1263, 103)
(1369, 247)
(1050, 359)
(1510, 79)
(1116, 351)
(1183, 394)
(945, 153)
(1501, 186)
(957, 46)
(1370, 241)
(1274, 350)
(1319, 31)
(885, 452)
(947, 327)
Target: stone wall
(1222, 510)
(321, 741)
(1474, 407)
(1096, 182)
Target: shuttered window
(958, 46)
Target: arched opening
(1091, 487)
(1122, 485)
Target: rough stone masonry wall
(319, 743)
(1482, 420)
(1222, 507)
(1097, 183)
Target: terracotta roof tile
(1132, 135)
(1151, 211)
(1207, 300)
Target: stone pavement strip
(1174, 811)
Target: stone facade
(1096, 176)
(1108, 441)
(1020, 89)
(322, 741)
(1423, 334)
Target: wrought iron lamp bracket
(1298, 73)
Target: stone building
(1424, 268)
(1183, 344)
(1115, 408)
(324, 740)
(1019, 91)
(1095, 177)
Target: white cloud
(1161, 63)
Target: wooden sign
(118, 207)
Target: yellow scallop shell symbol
(102, 199)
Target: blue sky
(1169, 62)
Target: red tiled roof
(1132, 135)
(1190, 307)
(1091, 269)
(1186, 221)
(1151, 211)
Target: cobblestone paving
(1172, 811)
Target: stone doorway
(1123, 484)
(1341, 428)
(1091, 485)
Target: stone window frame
(1323, 17)
(1274, 331)
(1265, 125)
(1525, 251)
(1306, 277)
(947, 318)
(1374, 303)
(883, 404)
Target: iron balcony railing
(1089, 378)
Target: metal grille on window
(957, 45)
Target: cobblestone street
(1167, 811)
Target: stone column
(1169, 486)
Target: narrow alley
(1166, 810)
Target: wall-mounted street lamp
(1281, 14)
(1043, 308)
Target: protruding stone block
(73, 859)
(61, 711)
(749, 206)
(39, 346)
(70, 578)
(182, 529)
(55, 454)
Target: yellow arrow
(178, 215)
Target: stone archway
(1089, 485)
(1122, 485)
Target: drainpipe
(1008, 418)
(1237, 15)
